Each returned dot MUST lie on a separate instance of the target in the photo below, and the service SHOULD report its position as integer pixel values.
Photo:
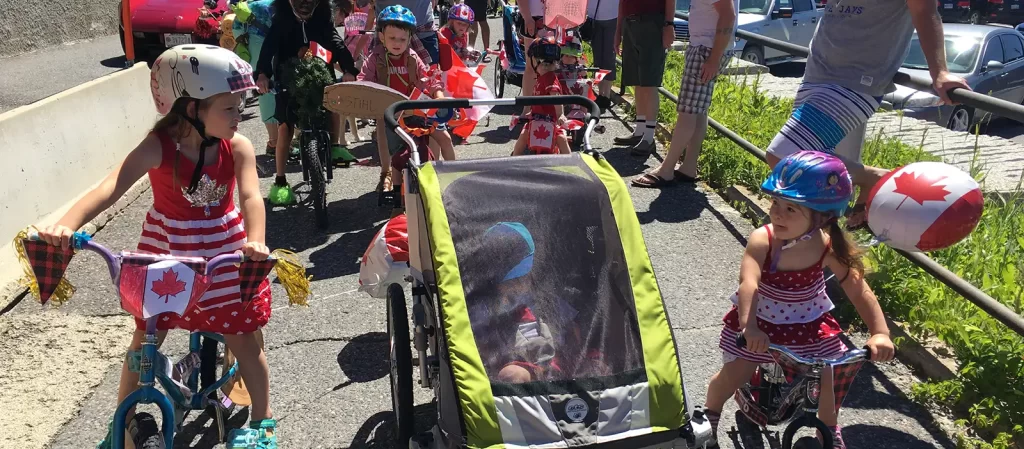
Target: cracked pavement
(329, 372)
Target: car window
(783, 4)
(755, 6)
(802, 5)
(1012, 48)
(961, 52)
(994, 51)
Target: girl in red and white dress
(781, 298)
(195, 159)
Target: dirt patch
(49, 363)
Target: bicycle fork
(146, 394)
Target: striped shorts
(823, 115)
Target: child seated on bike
(394, 65)
(194, 158)
(781, 298)
(545, 130)
(460, 19)
(295, 25)
(505, 301)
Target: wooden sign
(362, 99)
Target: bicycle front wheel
(314, 148)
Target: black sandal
(653, 181)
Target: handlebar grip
(33, 235)
(741, 341)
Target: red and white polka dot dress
(206, 224)
(793, 309)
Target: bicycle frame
(151, 358)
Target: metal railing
(973, 294)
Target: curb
(924, 358)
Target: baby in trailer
(546, 128)
(531, 351)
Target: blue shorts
(429, 41)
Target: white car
(792, 21)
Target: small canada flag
(320, 52)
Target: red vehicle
(161, 24)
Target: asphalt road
(30, 77)
(329, 367)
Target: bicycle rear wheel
(313, 149)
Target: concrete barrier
(55, 150)
(28, 25)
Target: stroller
(511, 52)
(608, 374)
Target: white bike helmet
(197, 72)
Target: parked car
(956, 11)
(792, 21)
(990, 58)
(977, 12)
(161, 24)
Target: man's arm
(724, 29)
(929, 32)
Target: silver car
(990, 58)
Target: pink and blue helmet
(813, 179)
(462, 12)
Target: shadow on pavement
(364, 359)
(294, 228)
(864, 435)
(201, 432)
(116, 62)
(378, 432)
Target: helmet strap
(207, 141)
(818, 222)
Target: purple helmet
(813, 179)
(461, 12)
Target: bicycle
(315, 154)
(181, 379)
(787, 392)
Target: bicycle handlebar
(81, 240)
(856, 354)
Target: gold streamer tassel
(292, 275)
(61, 294)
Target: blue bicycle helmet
(813, 179)
(396, 15)
(514, 248)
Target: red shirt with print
(398, 75)
(547, 84)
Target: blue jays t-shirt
(860, 44)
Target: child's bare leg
(520, 148)
(337, 130)
(444, 140)
(383, 153)
(725, 383)
(284, 141)
(514, 374)
(563, 144)
(252, 363)
(130, 381)
(826, 402)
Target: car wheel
(960, 120)
(753, 55)
(976, 18)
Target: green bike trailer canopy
(554, 330)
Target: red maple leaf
(542, 133)
(168, 285)
(920, 190)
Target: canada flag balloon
(924, 206)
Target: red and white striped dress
(793, 309)
(205, 224)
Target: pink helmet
(462, 12)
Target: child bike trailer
(536, 315)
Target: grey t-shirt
(860, 44)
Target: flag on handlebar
(460, 81)
(251, 275)
(151, 285)
(44, 266)
(320, 52)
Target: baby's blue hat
(514, 245)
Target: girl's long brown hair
(176, 127)
(845, 249)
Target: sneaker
(259, 435)
(281, 193)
